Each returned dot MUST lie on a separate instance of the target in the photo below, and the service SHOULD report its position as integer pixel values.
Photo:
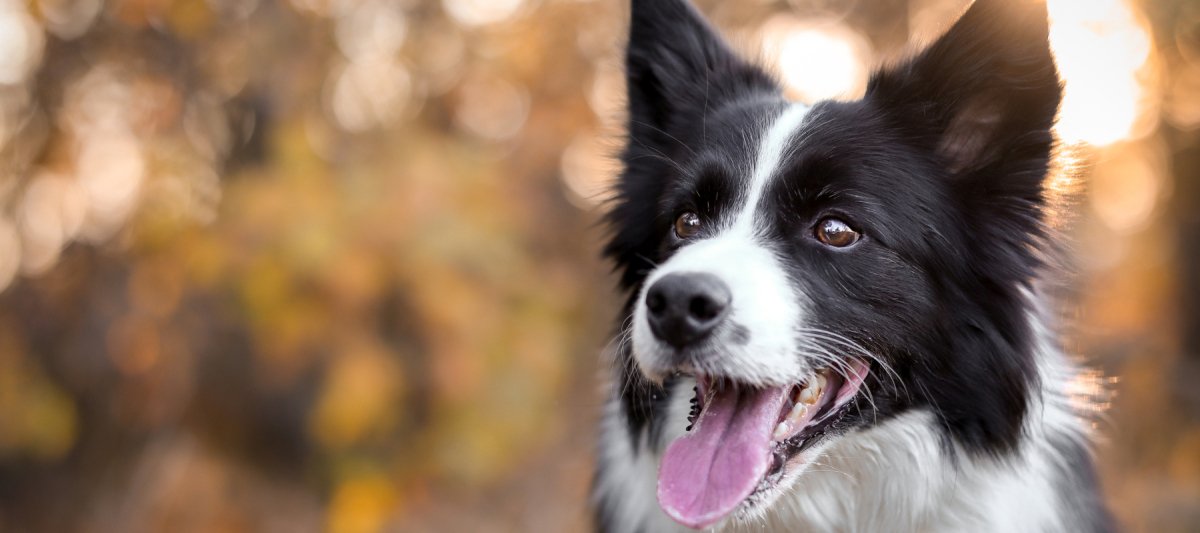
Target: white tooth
(808, 396)
(821, 381)
(799, 411)
(782, 430)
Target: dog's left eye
(836, 233)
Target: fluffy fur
(966, 422)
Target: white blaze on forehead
(770, 153)
(764, 305)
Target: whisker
(663, 158)
(829, 468)
(826, 356)
(858, 349)
(669, 136)
(652, 262)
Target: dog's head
(819, 269)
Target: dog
(837, 314)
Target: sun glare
(817, 59)
(1103, 54)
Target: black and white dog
(835, 319)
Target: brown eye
(836, 233)
(687, 225)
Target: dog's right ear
(678, 70)
(675, 62)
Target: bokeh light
(818, 59)
(481, 12)
(10, 253)
(587, 169)
(111, 171)
(373, 28)
(369, 93)
(21, 42)
(491, 107)
(1126, 190)
(51, 214)
(68, 19)
(1104, 55)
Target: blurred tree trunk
(1179, 36)
(1186, 166)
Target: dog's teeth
(782, 430)
(798, 412)
(790, 422)
(821, 381)
(808, 396)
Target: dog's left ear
(983, 97)
(677, 67)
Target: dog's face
(819, 269)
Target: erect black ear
(981, 101)
(678, 70)
(983, 97)
(675, 62)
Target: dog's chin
(747, 444)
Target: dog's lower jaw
(895, 476)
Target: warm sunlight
(817, 59)
(1103, 53)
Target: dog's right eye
(687, 225)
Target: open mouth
(741, 438)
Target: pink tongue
(706, 473)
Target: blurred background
(332, 265)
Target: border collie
(836, 319)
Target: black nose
(685, 307)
